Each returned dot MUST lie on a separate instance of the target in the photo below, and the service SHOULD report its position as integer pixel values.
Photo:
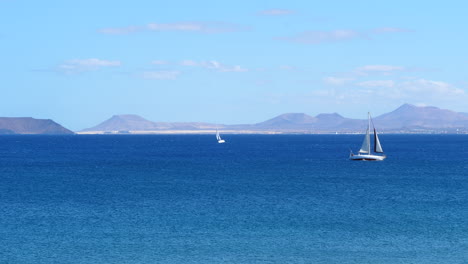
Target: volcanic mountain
(29, 125)
(288, 121)
(412, 117)
(304, 122)
(138, 123)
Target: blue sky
(80, 62)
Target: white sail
(218, 137)
(377, 146)
(365, 148)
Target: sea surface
(125, 199)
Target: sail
(365, 148)
(377, 146)
(218, 137)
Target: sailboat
(365, 151)
(218, 137)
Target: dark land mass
(29, 125)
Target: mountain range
(405, 119)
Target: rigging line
(372, 121)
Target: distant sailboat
(365, 151)
(218, 137)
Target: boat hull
(221, 141)
(367, 157)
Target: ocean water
(256, 199)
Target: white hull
(221, 141)
(366, 157)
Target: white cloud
(377, 83)
(182, 26)
(317, 37)
(79, 65)
(189, 63)
(276, 12)
(389, 91)
(366, 70)
(331, 80)
(94, 62)
(235, 68)
(160, 75)
(434, 88)
(214, 65)
(200, 27)
(379, 68)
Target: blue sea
(125, 199)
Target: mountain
(411, 117)
(29, 125)
(288, 121)
(303, 122)
(336, 122)
(138, 123)
(124, 123)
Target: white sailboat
(365, 151)
(218, 137)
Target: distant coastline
(407, 119)
(252, 132)
(170, 132)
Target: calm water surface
(256, 199)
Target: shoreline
(256, 132)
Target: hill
(29, 125)
(126, 123)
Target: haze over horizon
(79, 63)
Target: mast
(368, 131)
(377, 146)
(365, 148)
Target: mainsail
(218, 137)
(365, 148)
